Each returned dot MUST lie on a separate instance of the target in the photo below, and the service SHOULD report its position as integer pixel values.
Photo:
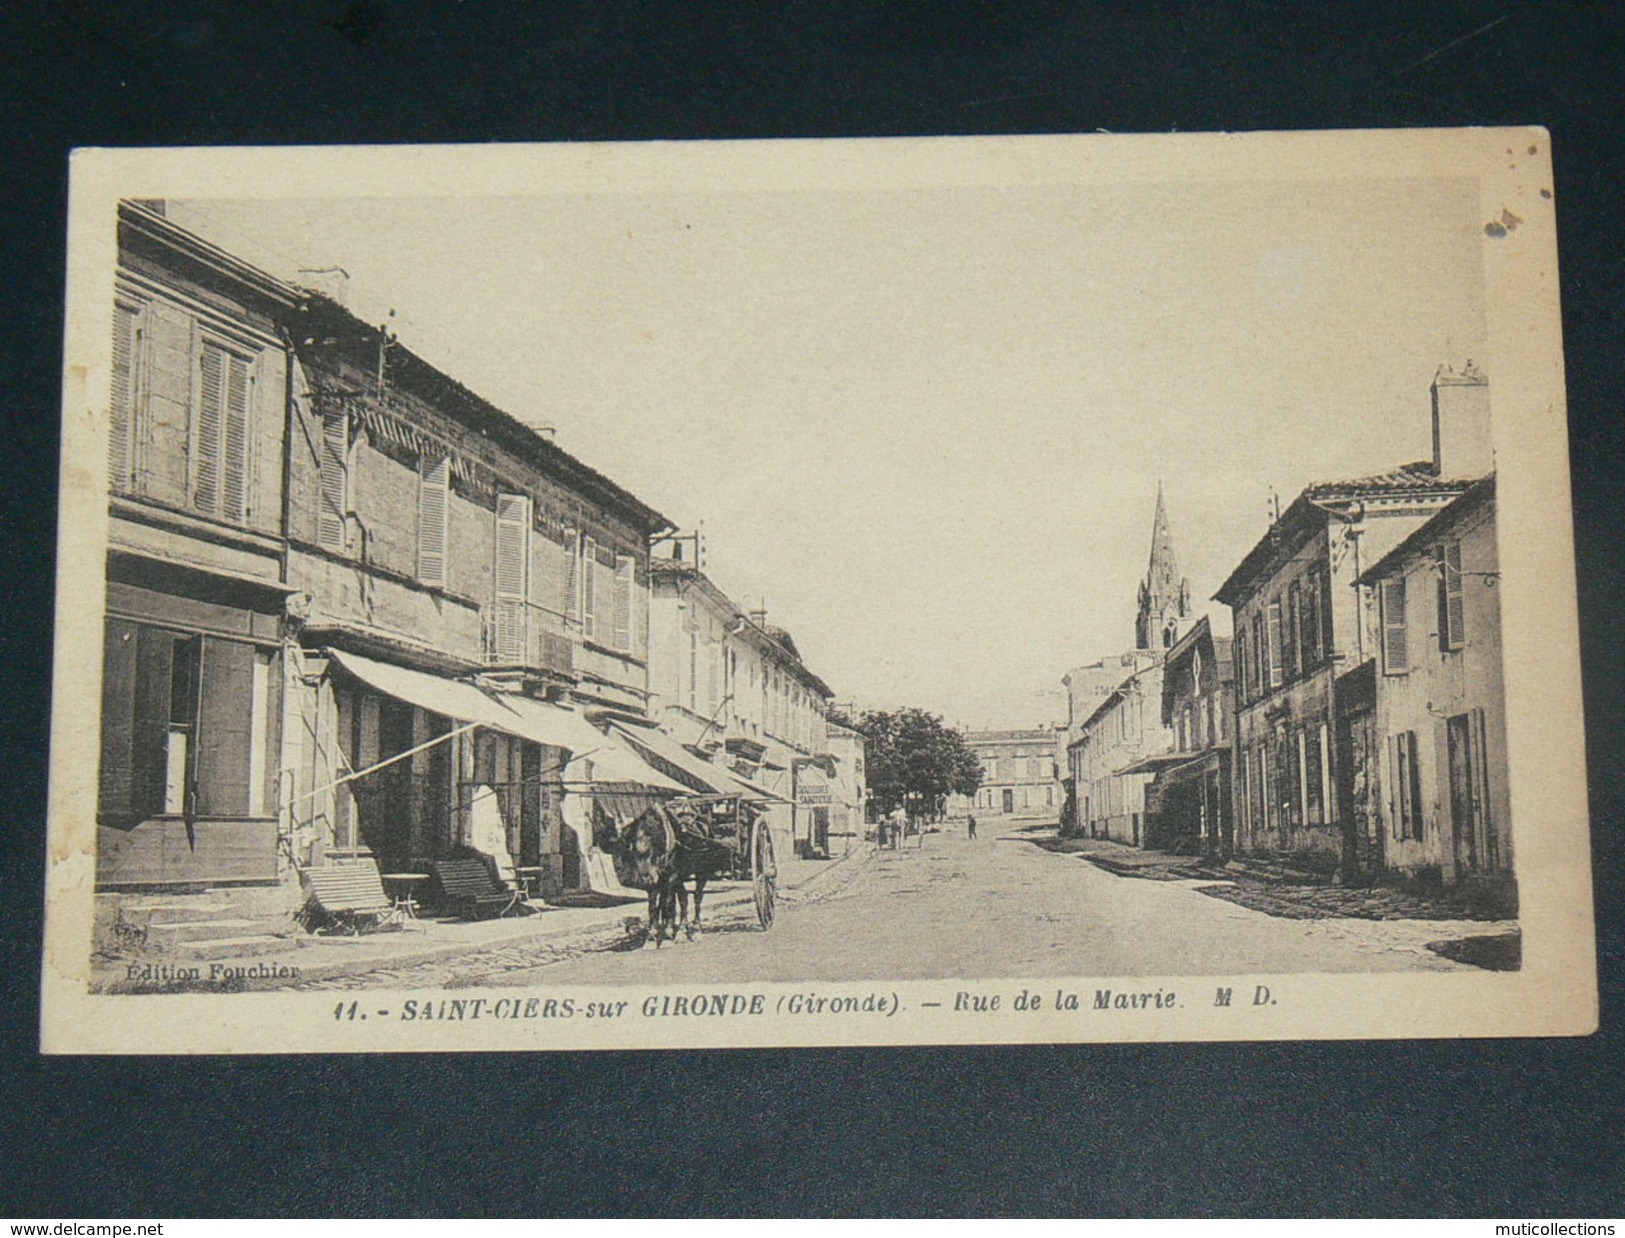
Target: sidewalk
(1273, 888)
(305, 957)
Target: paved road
(1001, 905)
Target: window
(186, 721)
(1261, 662)
(624, 569)
(1452, 611)
(1292, 655)
(693, 661)
(1272, 640)
(513, 578)
(1395, 655)
(1405, 795)
(334, 464)
(1313, 756)
(589, 588)
(122, 463)
(1314, 650)
(434, 487)
(220, 433)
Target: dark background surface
(1511, 1128)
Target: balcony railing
(516, 633)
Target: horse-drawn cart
(686, 842)
(735, 823)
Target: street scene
(1042, 909)
(404, 686)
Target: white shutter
(1452, 610)
(206, 430)
(335, 461)
(1395, 655)
(121, 406)
(589, 590)
(512, 574)
(434, 480)
(623, 602)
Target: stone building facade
(1440, 796)
(733, 689)
(1305, 753)
(1019, 777)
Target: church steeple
(1165, 595)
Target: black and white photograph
(847, 592)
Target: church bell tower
(1165, 595)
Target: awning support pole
(399, 756)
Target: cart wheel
(765, 874)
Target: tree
(914, 761)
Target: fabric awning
(1158, 763)
(564, 728)
(449, 697)
(755, 791)
(519, 716)
(673, 759)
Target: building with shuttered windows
(1444, 810)
(192, 660)
(1306, 772)
(733, 688)
(353, 609)
(433, 533)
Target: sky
(926, 427)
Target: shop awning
(449, 697)
(564, 728)
(519, 716)
(1159, 763)
(755, 791)
(672, 759)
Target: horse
(661, 852)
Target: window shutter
(589, 590)
(434, 481)
(1311, 619)
(1452, 611)
(154, 669)
(1395, 656)
(571, 601)
(623, 602)
(118, 720)
(1326, 622)
(234, 494)
(1292, 657)
(206, 432)
(335, 459)
(1273, 641)
(121, 406)
(224, 728)
(1413, 788)
(512, 559)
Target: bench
(469, 888)
(349, 895)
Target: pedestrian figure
(971, 823)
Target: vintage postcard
(985, 590)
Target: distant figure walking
(971, 825)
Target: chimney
(330, 282)
(758, 617)
(1461, 423)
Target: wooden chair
(349, 895)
